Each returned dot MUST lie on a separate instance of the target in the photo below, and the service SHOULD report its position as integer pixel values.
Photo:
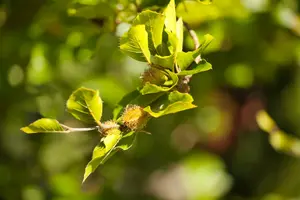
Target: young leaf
(179, 34)
(102, 151)
(44, 125)
(150, 88)
(163, 61)
(154, 23)
(135, 43)
(86, 105)
(184, 59)
(170, 14)
(202, 66)
(172, 42)
(172, 103)
(204, 1)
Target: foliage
(153, 38)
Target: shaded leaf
(202, 66)
(135, 43)
(44, 125)
(127, 141)
(185, 59)
(86, 105)
(123, 102)
(154, 23)
(171, 103)
(149, 88)
(100, 10)
(102, 151)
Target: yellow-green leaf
(44, 125)
(163, 61)
(172, 103)
(179, 34)
(170, 13)
(102, 151)
(154, 23)
(204, 1)
(86, 105)
(150, 88)
(202, 66)
(135, 43)
(185, 59)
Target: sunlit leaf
(179, 34)
(172, 103)
(170, 14)
(205, 1)
(149, 88)
(202, 66)
(163, 61)
(172, 42)
(135, 43)
(86, 105)
(154, 23)
(102, 150)
(184, 59)
(44, 125)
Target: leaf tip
(25, 129)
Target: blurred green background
(216, 151)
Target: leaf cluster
(155, 38)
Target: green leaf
(154, 23)
(163, 61)
(185, 59)
(150, 88)
(147, 99)
(86, 105)
(172, 42)
(44, 125)
(170, 13)
(124, 102)
(202, 66)
(179, 34)
(172, 103)
(135, 43)
(102, 151)
(205, 1)
(127, 141)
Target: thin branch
(70, 129)
(184, 82)
(194, 36)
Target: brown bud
(154, 76)
(107, 126)
(134, 117)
